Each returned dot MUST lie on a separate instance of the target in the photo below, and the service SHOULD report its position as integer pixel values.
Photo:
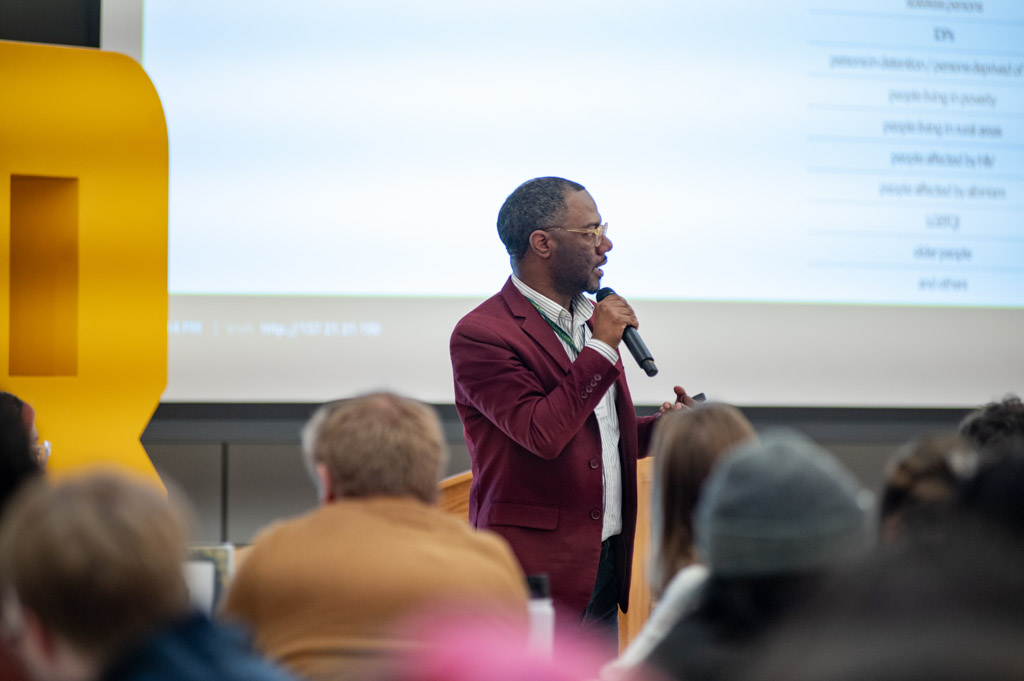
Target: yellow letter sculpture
(83, 249)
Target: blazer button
(597, 377)
(583, 395)
(590, 388)
(595, 463)
(595, 514)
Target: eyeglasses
(43, 450)
(597, 232)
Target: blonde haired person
(324, 592)
(685, 447)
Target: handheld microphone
(631, 337)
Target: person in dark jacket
(93, 589)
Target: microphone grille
(604, 293)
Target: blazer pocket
(523, 515)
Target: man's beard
(576, 275)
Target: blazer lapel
(534, 325)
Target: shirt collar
(582, 307)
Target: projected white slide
(336, 170)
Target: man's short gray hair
(535, 204)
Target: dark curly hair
(995, 424)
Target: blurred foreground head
(685, 446)
(919, 612)
(379, 444)
(88, 567)
(775, 516)
(994, 496)
(460, 649)
(945, 610)
(921, 487)
(781, 505)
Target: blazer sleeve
(645, 430)
(516, 386)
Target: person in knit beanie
(775, 516)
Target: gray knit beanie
(781, 505)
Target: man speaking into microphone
(549, 423)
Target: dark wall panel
(265, 483)
(195, 469)
(59, 22)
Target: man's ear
(541, 243)
(326, 488)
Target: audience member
(19, 462)
(685, 446)
(773, 518)
(93, 589)
(917, 612)
(921, 487)
(996, 424)
(19, 445)
(324, 592)
(995, 494)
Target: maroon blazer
(528, 416)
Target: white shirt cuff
(607, 351)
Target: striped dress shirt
(575, 326)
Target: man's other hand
(683, 401)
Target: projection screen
(812, 203)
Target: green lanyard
(558, 330)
